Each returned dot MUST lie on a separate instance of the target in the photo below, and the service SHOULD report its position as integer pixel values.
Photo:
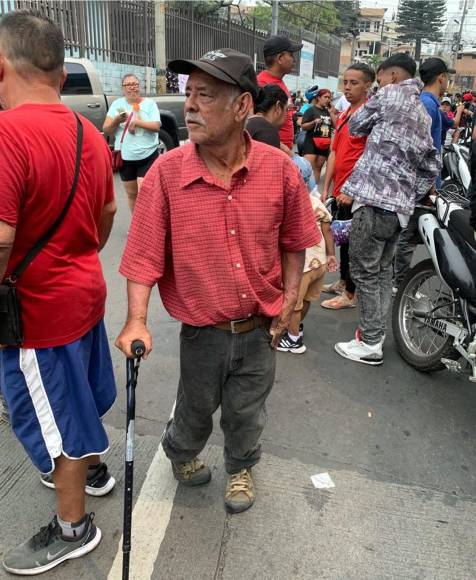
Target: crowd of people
(233, 227)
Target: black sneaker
(48, 548)
(99, 483)
(286, 344)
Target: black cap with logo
(432, 67)
(277, 44)
(225, 64)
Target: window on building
(77, 81)
(376, 26)
(473, 56)
(460, 56)
(364, 25)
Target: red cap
(467, 97)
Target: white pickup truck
(83, 92)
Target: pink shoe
(340, 302)
(336, 287)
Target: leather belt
(244, 324)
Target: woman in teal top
(135, 123)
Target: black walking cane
(138, 349)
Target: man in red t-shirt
(60, 382)
(279, 58)
(346, 151)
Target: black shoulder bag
(11, 328)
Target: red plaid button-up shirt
(215, 252)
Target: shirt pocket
(267, 250)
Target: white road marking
(150, 519)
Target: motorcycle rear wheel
(452, 190)
(421, 345)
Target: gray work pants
(372, 242)
(217, 368)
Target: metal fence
(123, 31)
(190, 36)
(117, 31)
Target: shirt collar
(415, 84)
(194, 168)
(431, 96)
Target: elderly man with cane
(221, 225)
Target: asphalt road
(398, 446)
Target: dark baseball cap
(277, 44)
(432, 67)
(225, 64)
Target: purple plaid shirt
(399, 163)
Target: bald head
(32, 43)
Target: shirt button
(243, 295)
(238, 265)
(230, 197)
(232, 232)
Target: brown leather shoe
(239, 495)
(191, 473)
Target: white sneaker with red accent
(359, 351)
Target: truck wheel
(166, 143)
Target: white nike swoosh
(50, 557)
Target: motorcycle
(456, 174)
(434, 311)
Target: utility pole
(274, 17)
(160, 56)
(460, 31)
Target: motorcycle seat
(459, 224)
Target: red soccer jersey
(216, 251)
(62, 292)
(286, 133)
(348, 150)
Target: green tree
(316, 16)
(348, 11)
(421, 21)
(262, 15)
(374, 60)
(201, 8)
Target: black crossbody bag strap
(40, 244)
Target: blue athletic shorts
(57, 396)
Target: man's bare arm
(329, 175)
(293, 266)
(138, 296)
(286, 149)
(7, 237)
